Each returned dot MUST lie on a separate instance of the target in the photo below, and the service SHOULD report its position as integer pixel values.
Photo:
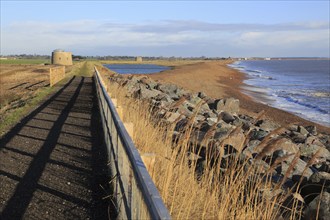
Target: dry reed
(227, 188)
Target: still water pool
(136, 68)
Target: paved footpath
(52, 162)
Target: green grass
(13, 117)
(86, 70)
(25, 61)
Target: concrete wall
(56, 74)
(62, 58)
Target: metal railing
(136, 194)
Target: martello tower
(60, 57)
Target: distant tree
(77, 57)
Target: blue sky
(167, 28)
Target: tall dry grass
(218, 188)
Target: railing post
(118, 108)
(130, 128)
(135, 191)
(149, 161)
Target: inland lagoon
(136, 68)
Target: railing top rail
(150, 193)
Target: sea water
(136, 68)
(301, 87)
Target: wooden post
(120, 112)
(118, 108)
(149, 161)
(115, 102)
(130, 128)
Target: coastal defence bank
(61, 57)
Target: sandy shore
(218, 80)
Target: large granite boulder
(319, 208)
(229, 105)
(145, 93)
(169, 89)
(309, 150)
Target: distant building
(8, 58)
(267, 58)
(60, 57)
(138, 59)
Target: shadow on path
(53, 161)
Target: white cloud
(282, 38)
(171, 26)
(178, 38)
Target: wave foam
(303, 103)
(321, 94)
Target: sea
(136, 68)
(301, 87)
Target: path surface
(51, 163)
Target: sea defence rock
(319, 208)
(321, 178)
(297, 155)
(230, 105)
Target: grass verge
(25, 61)
(12, 116)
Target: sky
(167, 28)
